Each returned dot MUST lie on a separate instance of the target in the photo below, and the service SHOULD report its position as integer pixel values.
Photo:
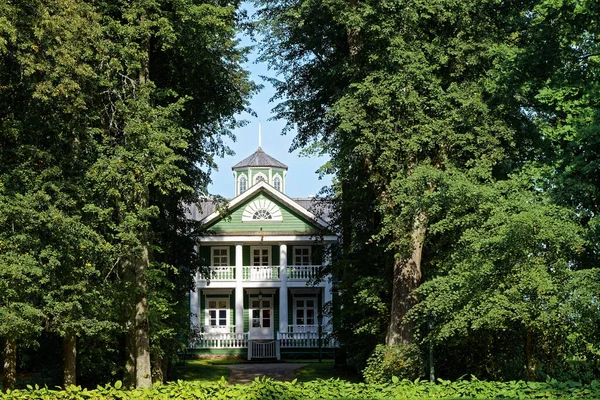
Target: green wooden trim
(246, 255)
(290, 255)
(231, 255)
(275, 255)
(202, 309)
(276, 314)
(291, 315)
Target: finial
(259, 135)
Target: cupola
(259, 166)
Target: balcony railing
(222, 273)
(302, 272)
(299, 273)
(304, 339)
(269, 273)
(218, 340)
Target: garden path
(245, 373)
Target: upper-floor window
(262, 214)
(302, 255)
(243, 184)
(262, 209)
(220, 256)
(277, 182)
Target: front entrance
(261, 318)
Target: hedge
(266, 388)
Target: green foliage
(403, 361)
(330, 389)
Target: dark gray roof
(259, 159)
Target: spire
(259, 135)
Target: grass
(202, 370)
(325, 370)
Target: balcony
(298, 273)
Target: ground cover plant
(332, 388)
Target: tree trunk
(407, 277)
(143, 375)
(530, 358)
(158, 374)
(130, 354)
(69, 359)
(9, 378)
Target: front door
(261, 321)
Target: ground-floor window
(305, 311)
(217, 314)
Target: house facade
(265, 294)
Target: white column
(239, 290)
(328, 290)
(283, 292)
(194, 306)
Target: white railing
(270, 273)
(267, 273)
(303, 328)
(302, 272)
(225, 340)
(222, 273)
(270, 349)
(304, 339)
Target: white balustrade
(302, 272)
(270, 273)
(304, 339)
(221, 340)
(222, 273)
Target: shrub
(403, 361)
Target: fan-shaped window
(262, 209)
(262, 214)
(243, 182)
(259, 178)
(277, 182)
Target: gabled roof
(259, 159)
(265, 187)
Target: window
(261, 256)
(302, 255)
(260, 177)
(243, 182)
(217, 313)
(305, 311)
(220, 256)
(262, 214)
(277, 182)
(262, 209)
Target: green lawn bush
(403, 361)
(265, 389)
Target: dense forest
(464, 138)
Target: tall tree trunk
(143, 375)
(407, 277)
(130, 353)
(69, 359)
(9, 378)
(530, 358)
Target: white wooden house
(261, 298)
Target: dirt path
(245, 373)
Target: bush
(403, 361)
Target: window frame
(304, 308)
(309, 248)
(207, 317)
(277, 178)
(242, 178)
(252, 248)
(212, 256)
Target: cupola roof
(259, 159)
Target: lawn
(324, 370)
(202, 371)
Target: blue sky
(301, 180)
